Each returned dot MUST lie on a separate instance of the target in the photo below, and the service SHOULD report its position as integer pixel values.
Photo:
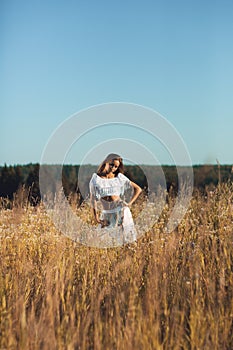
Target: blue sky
(59, 57)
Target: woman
(109, 186)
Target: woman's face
(112, 166)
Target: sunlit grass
(167, 291)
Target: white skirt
(119, 221)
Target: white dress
(117, 218)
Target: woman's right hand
(97, 220)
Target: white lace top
(102, 187)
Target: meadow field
(166, 291)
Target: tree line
(75, 179)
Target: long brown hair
(110, 157)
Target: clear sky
(59, 57)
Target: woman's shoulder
(122, 177)
(94, 177)
(97, 178)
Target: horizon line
(125, 164)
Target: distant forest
(26, 177)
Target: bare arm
(137, 191)
(94, 209)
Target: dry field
(167, 291)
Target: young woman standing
(108, 186)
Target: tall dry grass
(168, 291)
